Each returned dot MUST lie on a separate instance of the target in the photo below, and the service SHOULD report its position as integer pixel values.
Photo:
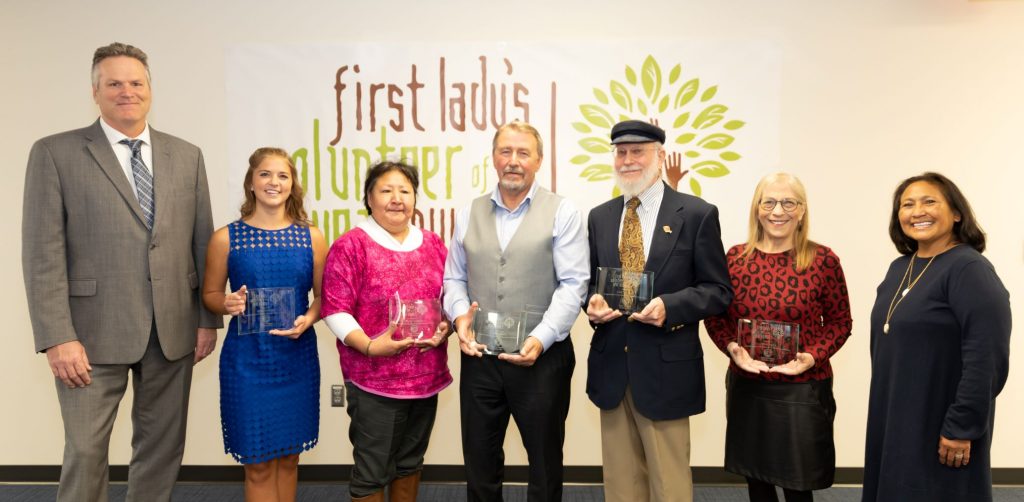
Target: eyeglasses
(788, 205)
(636, 151)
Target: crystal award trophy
(773, 342)
(416, 319)
(499, 332)
(267, 309)
(624, 290)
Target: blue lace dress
(269, 385)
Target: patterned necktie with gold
(631, 253)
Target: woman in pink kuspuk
(392, 380)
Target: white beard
(650, 175)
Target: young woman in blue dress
(269, 380)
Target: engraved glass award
(625, 291)
(416, 319)
(267, 309)
(499, 332)
(773, 342)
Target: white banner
(339, 108)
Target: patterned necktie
(143, 180)
(631, 252)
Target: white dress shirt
(124, 152)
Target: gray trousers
(159, 412)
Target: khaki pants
(644, 459)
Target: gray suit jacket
(93, 272)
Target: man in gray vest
(519, 248)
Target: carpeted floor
(222, 492)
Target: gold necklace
(895, 303)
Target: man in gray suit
(116, 221)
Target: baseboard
(582, 474)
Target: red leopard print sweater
(767, 287)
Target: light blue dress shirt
(570, 252)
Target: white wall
(873, 91)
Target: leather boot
(376, 497)
(406, 488)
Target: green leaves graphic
(716, 141)
(709, 116)
(686, 92)
(651, 78)
(597, 116)
(700, 137)
(596, 145)
(621, 95)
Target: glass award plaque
(773, 342)
(267, 309)
(625, 291)
(499, 332)
(532, 316)
(416, 319)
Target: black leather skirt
(781, 433)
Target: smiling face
(637, 166)
(272, 182)
(516, 159)
(778, 225)
(926, 216)
(392, 200)
(123, 94)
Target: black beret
(637, 131)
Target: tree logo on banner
(699, 128)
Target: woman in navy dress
(940, 344)
(269, 380)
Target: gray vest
(524, 274)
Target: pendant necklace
(900, 295)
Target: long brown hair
(293, 207)
(804, 249)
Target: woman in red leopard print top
(779, 430)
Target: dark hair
(966, 231)
(293, 208)
(116, 49)
(383, 167)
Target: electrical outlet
(337, 396)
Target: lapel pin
(667, 229)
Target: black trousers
(537, 398)
(389, 438)
(761, 491)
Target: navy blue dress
(936, 372)
(269, 385)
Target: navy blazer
(663, 367)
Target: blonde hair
(803, 248)
(520, 127)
